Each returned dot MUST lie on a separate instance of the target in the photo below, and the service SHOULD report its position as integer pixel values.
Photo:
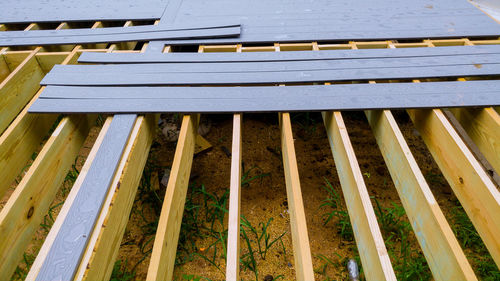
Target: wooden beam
(300, 239)
(441, 249)
(372, 251)
(18, 88)
(19, 141)
(23, 136)
(478, 195)
(102, 250)
(483, 127)
(233, 237)
(161, 266)
(49, 240)
(25, 209)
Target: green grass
(246, 179)
(259, 246)
(408, 263)
(480, 259)
(334, 203)
(121, 273)
(22, 272)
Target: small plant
(325, 263)
(120, 272)
(469, 238)
(248, 260)
(192, 277)
(264, 243)
(246, 178)
(22, 272)
(334, 202)
(408, 263)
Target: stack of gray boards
(122, 88)
(372, 64)
(119, 58)
(120, 34)
(68, 99)
(325, 20)
(28, 11)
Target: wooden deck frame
(443, 253)
(479, 123)
(49, 169)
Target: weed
(192, 277)
(264, 243)
(334, 202)
(49, 220)
(120, 272)
(325, 262)
(248, 260)
(22, 272)
(246, 178)
(469, 238)
(408, 263)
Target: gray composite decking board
(151, 57)
(64, 256)
(67, 71)
(111, 38)
(285, 21)
(116, 30)
(236, 78)
(272, 98)
(28, 11)
(336, 36)
(263, 92)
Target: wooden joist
(233, 236)
(474, 189)
(372, 251)
(161, 265)
(32, 198)
(439, 245)
(483, 127)
(300, 239)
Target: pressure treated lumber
(300, 239)
(272, 77)
(66, 251)
(152, 57)
(369, 240)
(29, 203)
(122, 37)
(267, 99)
(18, 88)
(25, 133)
(483, 127)
(439, 245)
(233, 236)
(161, 265)
(476, 192)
